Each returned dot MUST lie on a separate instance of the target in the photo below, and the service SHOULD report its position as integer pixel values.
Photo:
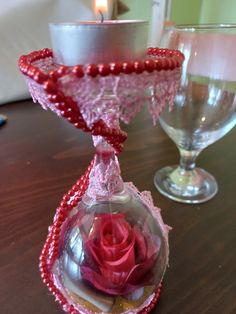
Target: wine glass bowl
(105, 230)
(204, 108)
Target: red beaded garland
(102, 69)
(50, 250)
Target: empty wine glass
(204, 108)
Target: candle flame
(101, 7)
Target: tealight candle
(98, 42)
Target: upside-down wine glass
(107, 248)
(204, 108)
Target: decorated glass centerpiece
(107, 248)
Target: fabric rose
(118, 256)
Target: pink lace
(146, 198)
(105, 181)
(124, 94)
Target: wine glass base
(192, 187)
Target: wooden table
(41, 157)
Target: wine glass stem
(188, 159)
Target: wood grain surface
(41, 156)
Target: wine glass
(204, 108)
(107, 248)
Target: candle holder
(107, 248)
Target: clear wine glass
(204, 108)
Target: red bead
(74, 203)
(92, 70)
(45, 276)
(172, 64)
(75, 188)
(150, 51)
(46, 52)
(156, 51)
(55, 238)
(78, 71)
(53, 255)
(42, 258)
(71, 103)
(40, 77)
(165, 64)
(72, 119)
(77, 199)
(107, 132)
(169, 53)
(71, 193)
(62, 70)
(44, 250)
(57, 98)
(163, 51)
(31, 71)
(60, 217)
(66, 113)
(23, 68)
(61, 301)
(23, 59)
(139, 67)
(58, 223)
(96, 130)
(50, 87)
(118, 147)
(177, 61)
(52, 288)
(152, 306)
(149, 65)
(78, 195)
(115, 132)
(115, 68)
(71, 308)
(122, 136)
(127, 67)
(60, 106)
(79, 181)
(103, 69)
(53, 75)
(77, 125)
(42, 269)
(158, 64)
(80, 124)
(66, 197)
(56, 232)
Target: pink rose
(118, 256)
